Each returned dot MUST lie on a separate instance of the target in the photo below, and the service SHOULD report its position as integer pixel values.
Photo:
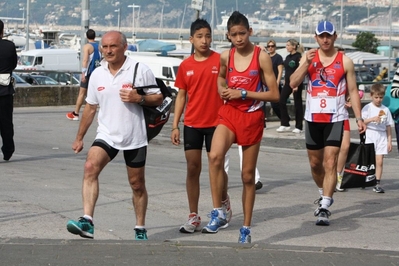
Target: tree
(366, 42)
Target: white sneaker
(227, 208)
(339, 182)
(297, 131)
(283, 129)
(193, 224)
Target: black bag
(155, 116)
(360, 165)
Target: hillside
(169, 12)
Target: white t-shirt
(370, 110)
(120, 124)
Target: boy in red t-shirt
(197, 83)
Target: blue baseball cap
(325, 26)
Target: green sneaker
(141, 234)
(83, 227)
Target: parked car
(63, 78)
(35, 79)
(19, 82)
(364, 76)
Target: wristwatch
(243, 94)
(359, 119)
(142, 101)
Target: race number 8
(323, 103)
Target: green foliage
(366, 42)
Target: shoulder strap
(135, 72)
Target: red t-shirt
(199, 79)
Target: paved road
(41, 190)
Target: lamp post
(27, 26)
(23, 16)
(119, 18)
(133, 6)
(341, 19)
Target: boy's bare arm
(268, 78)
(221, 81)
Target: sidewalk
(41, 190)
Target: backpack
(155, 116)
(95, 60)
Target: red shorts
(347, 125)
(247, 127)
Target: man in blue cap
(331, 76)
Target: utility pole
(85, 25)
(27, 26)
(197, 5)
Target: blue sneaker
(141, 234)
(215, 223)
(83, 227)
(244, 236)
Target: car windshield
(18, 79)
(26, 60)
(41, 80)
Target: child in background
(379, 120)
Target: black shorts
(320, 135)
(133, 158)
(85, 84)
(194, 138)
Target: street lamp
(133, 6)
(119, 18)
(23, 15)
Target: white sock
(325, 202)
(139, 227)
(88, 217)
(321, 191)
(221, 213)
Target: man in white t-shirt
(121, 126)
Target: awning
(364, 58)
(151, 45)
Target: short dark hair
(199, 24)
(1, 27)
(237, 19)
(90, 34)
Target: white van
(66, 60)
(163, 67)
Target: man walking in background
(91, 59)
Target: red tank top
(248, 80)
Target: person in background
(395, 94)
(121, 126)
(291, 63)
(196, 80)
(91, 60)
(331, 74)
(241, 119)
(278, 64)
(379, 120)
(8, 62)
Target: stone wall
(66, 95)
(45, 95)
